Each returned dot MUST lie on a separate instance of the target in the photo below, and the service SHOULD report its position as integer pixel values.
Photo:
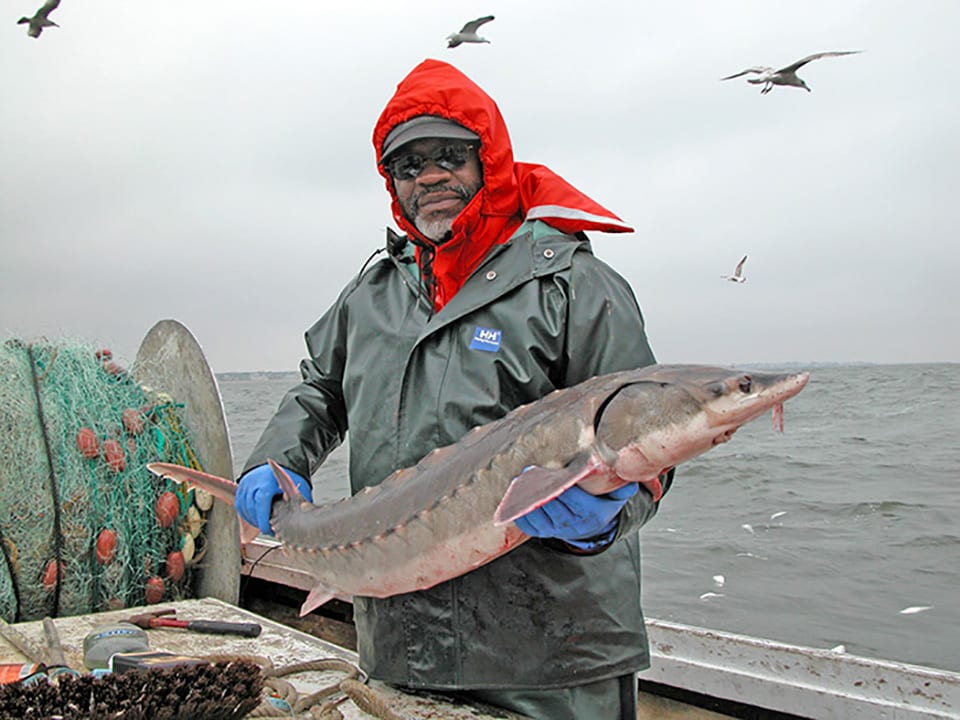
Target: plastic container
(104, 642)
(15, 672)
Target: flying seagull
(40, 20)
(468, 33)
(768, 77)
(738, 275)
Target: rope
(11, 570)
(368, 700)
(54, 489)
(188, 457)
(282, 699)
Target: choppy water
(822, 535)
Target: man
(492, 299)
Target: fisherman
(492, 298)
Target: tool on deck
(22, 643)
(54, 652)
(55, 659)
(157, 619)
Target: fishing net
(84, 526)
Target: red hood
(512, 191)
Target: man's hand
(586, 521)
(258, 487)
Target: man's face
(435, 196)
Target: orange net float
(50, 575)
(154, 590)
(106, 546)
(175, 566)
(167, 508)
(132, 420)
(87, 443)
(114, 456)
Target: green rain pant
(614, 699)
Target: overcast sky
(211, 162)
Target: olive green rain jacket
(406, 374)
(405, 381)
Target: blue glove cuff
(598, 543)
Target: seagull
(738, 275)
(785, 75)
(468, 33)
(39, 21)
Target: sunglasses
(409, 165)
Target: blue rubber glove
(586, 521)
(258, 487)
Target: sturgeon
(452, 512)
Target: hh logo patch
(486, 339)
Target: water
(822, 535)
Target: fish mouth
(779, 390)
(725, 435)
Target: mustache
(460, 191)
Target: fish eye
(745, 384)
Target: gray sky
(211, 162)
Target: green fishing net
(76, 433)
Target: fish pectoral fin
(319, 595)
(537, 486)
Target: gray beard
(436, 230)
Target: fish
(453, 511)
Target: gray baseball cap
(424, 126)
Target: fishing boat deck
(285, 645)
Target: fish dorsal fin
(289, 487)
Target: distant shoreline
(280, 374)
